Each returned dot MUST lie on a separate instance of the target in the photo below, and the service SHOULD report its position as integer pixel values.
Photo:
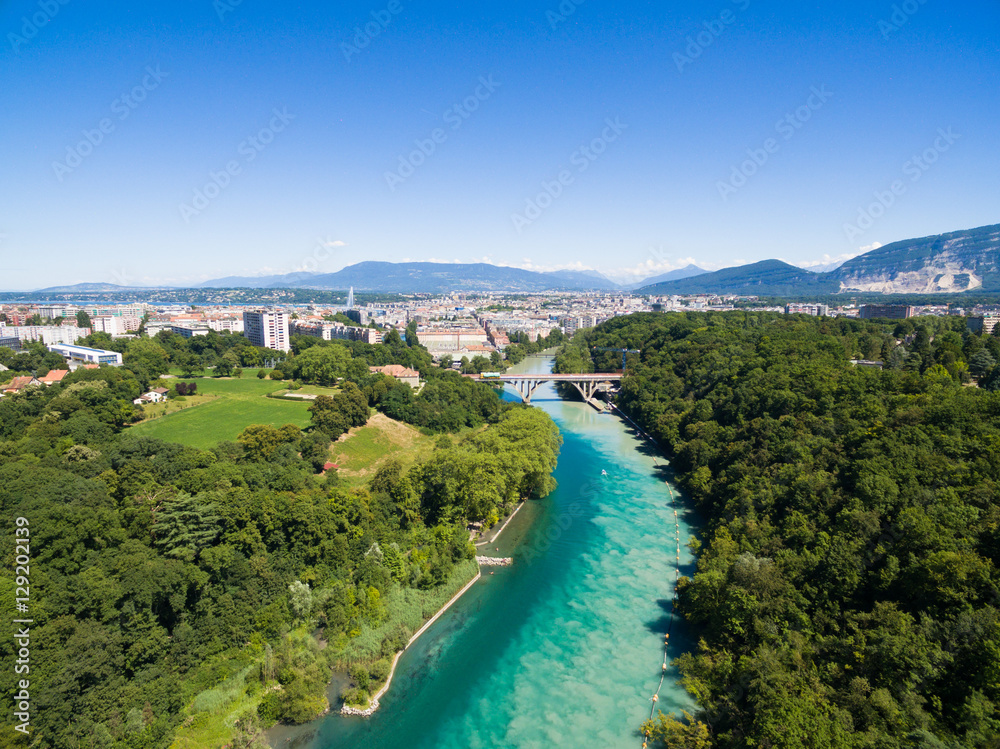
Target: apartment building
(984, 324)
(47, 334)
(267, 328)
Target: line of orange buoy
(677, 575)
(673, 607)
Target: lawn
(220, 411)
(248, 386)
(359, 453)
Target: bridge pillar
(586, 385)
(530, 386)
(525, 389)
(586, 388)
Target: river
(564, 648)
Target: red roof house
(18, 384)
(54, 376)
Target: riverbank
(373, 704)
(583, 610)
(481, 561)
(504, 526)
(291, 737)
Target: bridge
(588, 384)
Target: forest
(846, 592)
(199, 596)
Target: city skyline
(170, 145)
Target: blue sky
(251, 137)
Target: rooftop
(74, 347)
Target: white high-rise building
(47, 334)
(110, 325)
(350, 298)
(267, 328)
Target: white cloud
(654, 266)
(334, 243)
(658, 264)
(529, 264)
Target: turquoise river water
(564, 648)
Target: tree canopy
(846, 592)
(171, 585)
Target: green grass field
(230, 386)
(361, 453)
(222, 409)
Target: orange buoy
(656, 698)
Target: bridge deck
(553, 377)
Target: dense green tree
(981, 363)
(261, 441)
(185, 525)
(328, 418)
(323, 365)
(845, 556)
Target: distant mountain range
(946, 263)
(95, 288)
(766, 278)
(427, 278)
(420, 278)
(259, 282)
(959, 261)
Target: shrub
(359, 675)
(355, 697)
(302, 702)
(269, 708)
(380, 670)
